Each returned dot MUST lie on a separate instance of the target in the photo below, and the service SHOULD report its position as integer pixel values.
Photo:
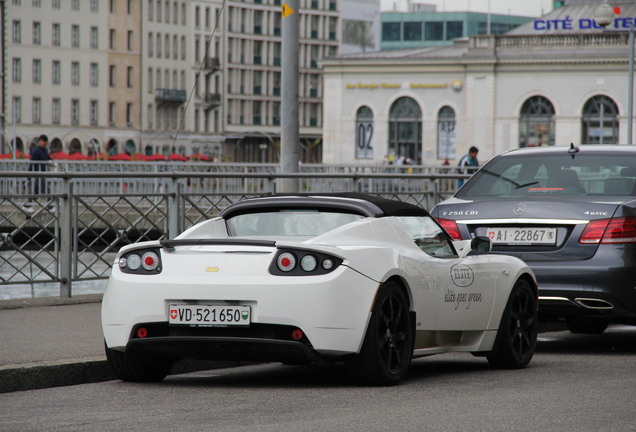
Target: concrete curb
(33, 376)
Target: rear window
(554, 174)
(284, 223)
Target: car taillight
(145, 261)
(311, 263)
(615, 230)
(450, 226)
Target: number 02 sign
(364, 140)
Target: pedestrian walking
(39, 160)
(468, 163)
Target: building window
(17, 109)
(129, 114)
(151, 11)
(37, 33)
(56, 4)
(600, 121)
(111, 39)
(391, 31)
(405, 130)
(129, 40)
(158, 10)
(111, 114)
(17, 70)
(536, 123)
(446, 133)
(454, 30)
(150, 80)
(75, 4)
(94, 38)
(364, 133)
(94, 6)
(94, 113)
(75, 111)
(413, 31)
(434, 30)
(183, 48)
(17, 32)
(158, 45)
(175, 14)
(167, 14)
(37, 110)
(75, 73)
(112, 71)
(151, 45)
(56, 72)
(55, 110)
(75, 36)
(167, 45)
(37, 3)
(55, 39)
(129, 77)
(37, 71)
(94, 74)
(256, 112)
(129, 7)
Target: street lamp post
(604, 16)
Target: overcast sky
(532, 8)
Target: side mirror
(481, 245)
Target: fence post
(66, 238)
(174, 205)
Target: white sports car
(324, 278)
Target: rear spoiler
(169, 245)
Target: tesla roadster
(348, 278)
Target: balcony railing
(170, 95)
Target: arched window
(112, 147)
(364, 133)
(94, 147)
(75, 146)
(130, 147)
(600, 121)
(446, 133)
(536, 123)
(56, 145)
(405, 130)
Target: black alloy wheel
(517, 336)
(387, 347)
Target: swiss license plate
(523, 236)
(209, 316)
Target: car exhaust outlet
(592, 303)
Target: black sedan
(570, 214)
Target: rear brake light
(450, 226)
(616, 230)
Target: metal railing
(72, 232)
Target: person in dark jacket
(39, 161)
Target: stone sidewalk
(53, 341)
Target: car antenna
(573, 150)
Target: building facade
(167, 76)
(556, 80)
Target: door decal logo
(462, 275)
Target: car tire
(586, 326)
(131, 370)
(388, 344)
(517, 336)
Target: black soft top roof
(349, 202)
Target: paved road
(575, 383)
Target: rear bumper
(586, 289)
(222, 348)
